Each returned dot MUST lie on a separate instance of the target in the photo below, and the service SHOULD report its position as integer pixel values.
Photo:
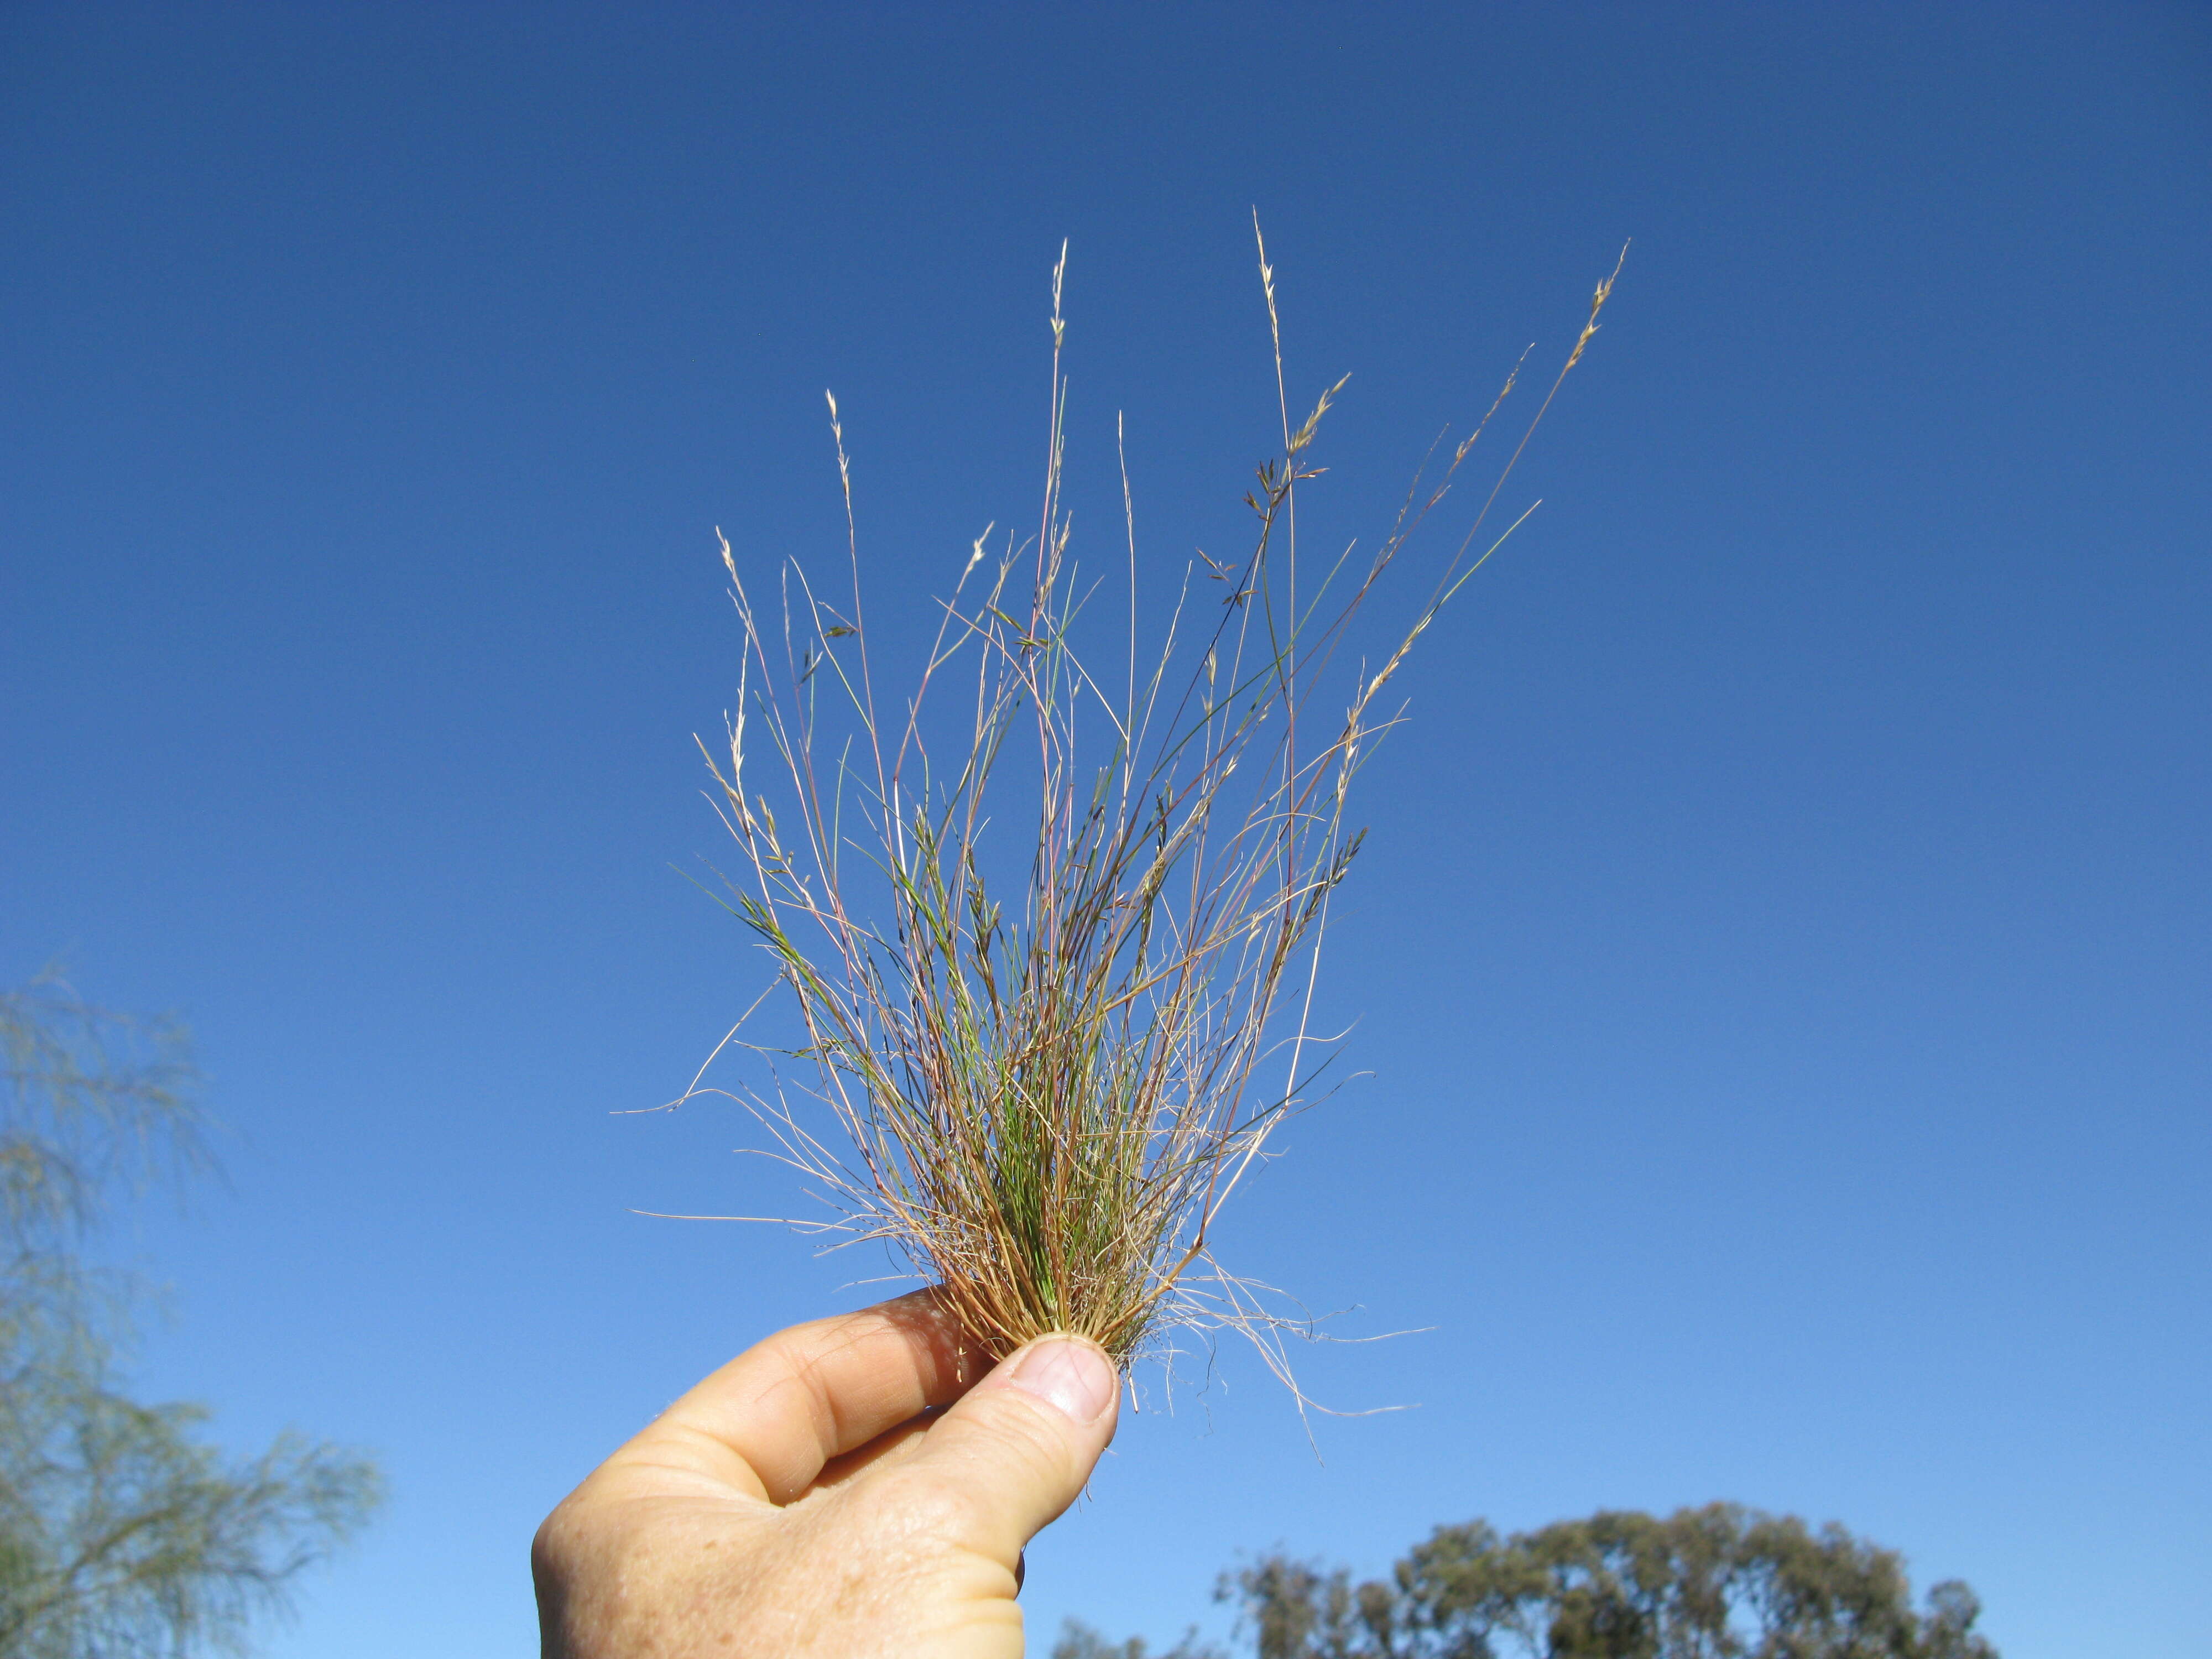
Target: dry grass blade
(1040, 1088)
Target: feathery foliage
(96, 1102)
(122, 1533)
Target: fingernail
(1075, 1378)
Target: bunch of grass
(1043, 1097)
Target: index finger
(768, 1420)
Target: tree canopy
(121, 1532)
(1721, 1582)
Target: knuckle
(558, 1540)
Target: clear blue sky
(1781, 953)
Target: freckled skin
(850, 1488)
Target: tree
(122, 1533)
(1723, 1582)
(1079, 1641)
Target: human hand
(848, 1487)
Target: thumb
(1015, 1449)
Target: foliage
(1723, 1582)
(1047, 1096)
(1079, 1641)
(121, 1532)
(95, 1102)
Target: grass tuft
(1042, 1088)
